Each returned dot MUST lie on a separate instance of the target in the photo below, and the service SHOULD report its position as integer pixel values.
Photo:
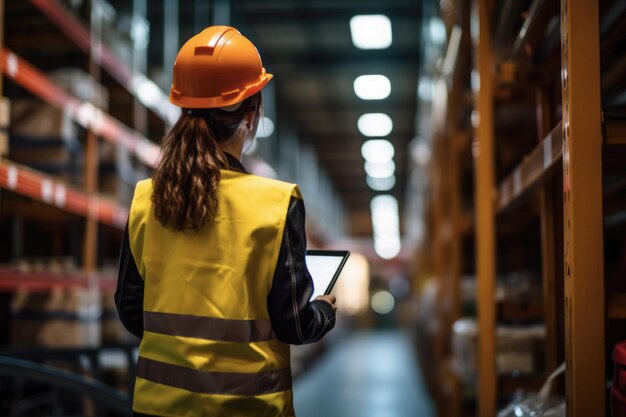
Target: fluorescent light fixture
(377, 150)
(375, 124)
(421, 153)
(266, 128)
(386, 226)
(381, 184)
(387, 248)
(437, 31)
(425, 89)
(383, 169)
(384, 204)
(372, 31)
(372, 87)
(385, 219)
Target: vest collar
(235, 164)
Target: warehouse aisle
(371, 374)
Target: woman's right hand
(330, 299)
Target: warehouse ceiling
(308, 47)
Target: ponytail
(186, 178)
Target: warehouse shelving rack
(47, 198)
(557, 64)
(86, 203)
(36, 195)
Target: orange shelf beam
(84, 113)
(12, 280)
(44, 188)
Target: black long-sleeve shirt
(295, 319)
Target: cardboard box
(33, 119)
(63, 317)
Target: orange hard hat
(219, 67)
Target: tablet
(325, 267)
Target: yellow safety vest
(208, 348)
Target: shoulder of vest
(284, 186)
(142, 197)
(143, 186)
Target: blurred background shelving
(540, 258)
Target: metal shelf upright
(484, 157)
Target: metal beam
(260, 13)
(485, 214)
(400, 59)
(582, 192)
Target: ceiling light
(381, 184)
(387, 248)
(375, 124)
(266, 128)
(425, 89)
(377, 150)
(371, 31)
(384, 203)
(386, 226)
(380, 169)
(372, 87)
(421, 153)
(437, 31)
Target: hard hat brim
(224, 100)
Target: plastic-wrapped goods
(517, 348)
(464, 354)
(537, 404)
(527, 405)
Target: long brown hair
(186, 178)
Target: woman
(212, 269)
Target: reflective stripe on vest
(243, 331)
(208, 347)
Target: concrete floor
(372, 374)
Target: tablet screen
(325, 267)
